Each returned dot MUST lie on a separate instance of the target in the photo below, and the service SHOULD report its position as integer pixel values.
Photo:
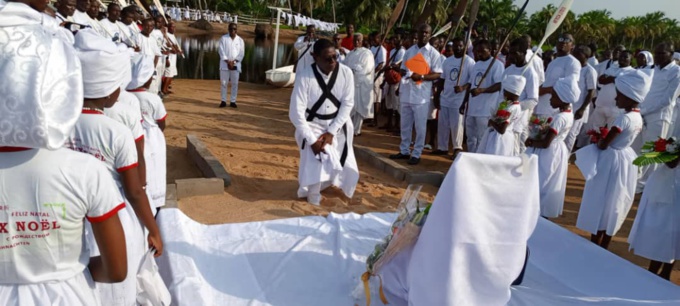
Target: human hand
(416, 77)
(326, 138)
(317, 147)
(477, 91)
(579, 114)
(156, 243)
(458, 89)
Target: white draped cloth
(360, 60)
(471, 254)
(313, 170)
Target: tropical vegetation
(495, 16)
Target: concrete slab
(198, 187)
(434, 178)
(209, 165)
(396, 169)
(171, 192)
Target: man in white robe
(415, 95)
(80, 14)
(65, 10)
(320, 106)
(149, 45)
(657, 109)
(110, 23)
(303, 45)
(563, 66)
(360, 61)
(379, 58)
(231, 51)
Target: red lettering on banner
(559, 15)
(21, 226)
(33, 226)
(3, 227)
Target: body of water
(202, 60)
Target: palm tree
(594, 26)
(497, 14)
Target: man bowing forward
(320, 107)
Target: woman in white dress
(104, 67)
(44, 195)
(553, 155)
(609, 194)
(499, 139)
(153, 122)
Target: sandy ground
(255, 143)
(244, 30)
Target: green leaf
(654, 158)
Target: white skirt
(156, 171)
(656, 229)
(77, 290)
(553, 164)
(125, 292)
(495, 143)
(608, 196)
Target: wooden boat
(281, 77)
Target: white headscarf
(676, 56)
(567, 89)
(649, 57)
(105, 65)
(634, 84)
(42, 92)
(514, 84)
(142, 70)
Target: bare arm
(603, 144)
(140, 203)
(139, 145)
(111, 265)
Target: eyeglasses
(330, 59)
(564, 40)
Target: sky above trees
(618, 8)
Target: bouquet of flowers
(502, 114)
(539, 126)
(596, 136)
(658, 152)
(403, 234)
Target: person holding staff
(303, 45)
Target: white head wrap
(142, 70)
(42, 93)
(514, 84)
(105, 64)
(676, 56)
(634, 84)
(567, 89)
(649, 57)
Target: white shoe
(427, 147)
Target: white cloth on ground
(477, 237)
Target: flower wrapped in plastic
(658, 152)
(502, 114)
(404, 232)
(539, 127)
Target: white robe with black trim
(313, 169)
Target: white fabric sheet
(318, 261)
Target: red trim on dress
(13, 149)
(554, 131)
(107, 215)
(637, 110)
(92, 112)
(126, 168)
(139, 138)
(566, 111)
(163, 119)
(138, 90)
(617, 128)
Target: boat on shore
(281, 77)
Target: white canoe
(281, 77)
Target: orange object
(418, 64)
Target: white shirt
(603, 66)
(341, 57)
(660, 100)
(592, 61)
(629, 126)
(409, 91)
(304, 52)
(537, 65)
(529, 96)
(561, 67)
(231, 49)
(46, 196)
(587, 81)
(148, 45)
(607, 95)
(451, 67)
(397, 56)
(107, 140)
(127, 111)
(152, 108)
(306, 92)
(379, 55)
(481, 105)
(111, 30)
(81, 18)
(561, 125)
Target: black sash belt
(327, 95)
